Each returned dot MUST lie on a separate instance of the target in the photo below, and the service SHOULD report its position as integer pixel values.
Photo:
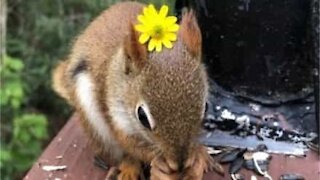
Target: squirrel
(137, 106)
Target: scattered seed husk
(213, 151)
(253, 177)
(248, 164)
(229, 156)
(264, 166)
(209, 134)
(261, 164)
(232, 155)
(54, 168)
(313, 146)
(261, 147)
(267, 176)
(59, 157)
(237, 177)
(219, 156)
(261, 156)
(236, 165)
(291, 177)
(248, 155)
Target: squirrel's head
(162, 94)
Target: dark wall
(257, 47)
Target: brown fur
(58, 76)
(190, 26)
(136, 52)
(173, 83)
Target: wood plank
(70, 147)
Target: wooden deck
(70, 148)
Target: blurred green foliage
(22, 131)
(39, 34)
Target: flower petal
(158, 46)
(141, 28)
(164, 11)
(156, 28)
(151, 45)
(144, 38)
(170, 36)
(167, 43)
(173, 28)
(170, 20)
(145, 11)
(142, 19)
(150, 11)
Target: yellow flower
(157, 28)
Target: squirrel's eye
(143, 118)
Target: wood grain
(70, 147)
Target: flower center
(157, 32)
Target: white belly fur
(87, 100)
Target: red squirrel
(138, 106)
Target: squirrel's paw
(128, 175)
(165, 165)
(195, 166)
(199, 163)
(157, 174)
(209, 164)
(112, 173)
(115, 174)
(162, 169)
(129, 170)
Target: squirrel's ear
(136, 53)
(190, 33)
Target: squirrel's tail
(59, 82)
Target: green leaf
(13, 63)
(3, 98)
(5, 156)
(30, 126)
(15, 103)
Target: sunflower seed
(229, 156)
(237, 177)
(236, 165)
(213, 151)
(248, 155)
(291, 177)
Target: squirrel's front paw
(112, 173)
(115, 174)
(195, 167)
(209, 163)
(129, 170)
(157, 174)
(200, 162)
(128, 174)
(162, 169)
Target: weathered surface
(71, 145)
(70, 148)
